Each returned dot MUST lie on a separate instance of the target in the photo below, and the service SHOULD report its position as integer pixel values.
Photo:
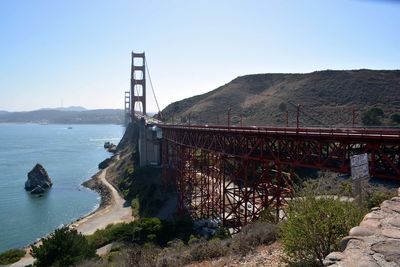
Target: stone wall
(375, 242)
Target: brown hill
(326, 99)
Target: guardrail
(302, 131)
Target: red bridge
(233, 173)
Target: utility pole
(298, 117)
(287, 118)
(229, 118)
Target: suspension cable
(152, 88)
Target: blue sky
(78, 52)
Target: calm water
(70, 157)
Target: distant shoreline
(54, 116)
(64, 123)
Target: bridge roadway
(365, 133)
(255, 166)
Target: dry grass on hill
(326, 97)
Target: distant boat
(69, 128)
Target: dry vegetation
(327, 98)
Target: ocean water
(70, 157)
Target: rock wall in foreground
(375, 242)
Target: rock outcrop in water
(38, 180)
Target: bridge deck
(363, 133)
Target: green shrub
(141, 231)
(268, 215)
(315, 226)
(11, 256)
(62, 248)
(135, 206)
(395, 117)
(372, 116)
(193, 240)
(222, 233)
(345, 189)
(282, 107)
(374, 199)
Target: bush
(395, 117)
(282, 107)
(374, 199)
(135, 206)
(253, 235)
(207, 250)
(372, 116)
(141, 231)
(315, 226)
(11, 256)
(62, 248)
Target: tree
(372, 117)
(282, 107)
(395, 117)
(62, 248)
(315, 226)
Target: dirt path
(115, 212)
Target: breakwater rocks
(105, 163)
(95, 184)
(375, 242)
(38, 180)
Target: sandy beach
(111, 210)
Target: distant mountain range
(72, 108)
(326, 98)
(69, 115)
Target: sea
(70, 154)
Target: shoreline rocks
(95, 184)
(38, 180)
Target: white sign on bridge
(359, 166)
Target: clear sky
(74, 52)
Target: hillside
(326, 98)
(64, 116)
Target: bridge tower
(138, 83)
(127, 107)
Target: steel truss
(232, 174)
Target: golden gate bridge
(232, 173)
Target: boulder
(37, 190)
(38, 177)
(112, 149)
(105, 163)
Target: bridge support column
(138, 83)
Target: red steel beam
(233, 173)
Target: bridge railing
(307, 131)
